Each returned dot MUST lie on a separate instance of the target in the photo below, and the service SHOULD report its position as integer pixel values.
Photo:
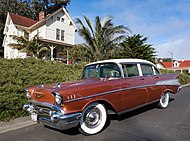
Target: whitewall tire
(164, 100)
(93, 119)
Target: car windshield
(101, 71)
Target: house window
(26, 35)
(57, 34)
(62, 20)
(62, 35)
(58, 18)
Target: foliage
(100, 40)
(135, 47)
(18, 74)
(33, 46)
(165, 59)
(79, 54)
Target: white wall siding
(53, 24)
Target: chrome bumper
(52, 115)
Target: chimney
(41, 15)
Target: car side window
(147, 69)
(130, 70)
(111, 70)
(156, 71)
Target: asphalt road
(144, 124)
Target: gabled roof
(27, 22)
(185, 63)
(166, 64)
(21, 20)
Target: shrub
(17, 74)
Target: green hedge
(17, 74)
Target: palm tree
(135, 47)
(101, 40)
(33, 47)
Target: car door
(151, 76)
(134, 92)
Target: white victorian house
(57, 30)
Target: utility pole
(172, 57)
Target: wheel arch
(168, 90)
(106, 103)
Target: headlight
(28, 95)
(58, 98)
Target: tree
(33, 47)
(80, 53)
(101, 40)
(135, 47)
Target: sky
(166, 23)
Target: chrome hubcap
(164, 98)
(92, 118)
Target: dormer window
(58, 18)
(62, 20)
(70, 24)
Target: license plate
(34, 117)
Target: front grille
(42, 111)
(45, 109)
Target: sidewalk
(15, 124)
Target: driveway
(147, 123)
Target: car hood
(66, 85)
(43, 93)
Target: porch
(59, 51)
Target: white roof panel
(122, 61)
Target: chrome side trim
(94, 95)
(123, 89)
(168, 82)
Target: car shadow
(135, 112)
(75, 130)
(72, 131)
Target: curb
(15, 124)
(186, 85)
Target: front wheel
(93, 119)
(164, 100)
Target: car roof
(118, 61)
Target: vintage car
(117, 85)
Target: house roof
(27, 22)
(21, 20)
(167, 64)
(185, 63)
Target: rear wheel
(93, 119)
(164, 100)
